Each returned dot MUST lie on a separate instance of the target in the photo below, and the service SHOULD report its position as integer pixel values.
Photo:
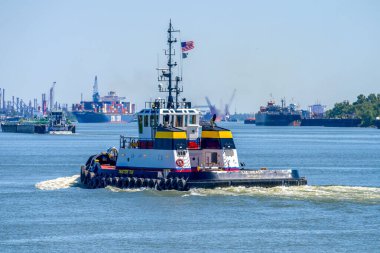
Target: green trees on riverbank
(365, 108)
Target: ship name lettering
(126, 172)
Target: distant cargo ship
(275, 115)
(110, 108)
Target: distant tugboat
(59, 124)
(54, 123)
(250, 121)
(275, 115)
(173, 151)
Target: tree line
(364, 108)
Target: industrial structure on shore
(47, 117)
(16, 108)
(114, 108)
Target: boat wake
(116, 189)
(58, 183)
(61, 133)
(315, 193)
(332, 193)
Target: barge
(331, 122)
(55, 123)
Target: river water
(44, 209)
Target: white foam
(61, 132)
(58, 183)
(320, 193)
(116, 189)
(316, 193)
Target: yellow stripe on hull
(217, 134)
(171, 135)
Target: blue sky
(305, 51)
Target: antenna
(167, 73)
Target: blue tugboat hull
(161, 179)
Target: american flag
(187, 45)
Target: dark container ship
(173, 151)
(276, 115)
(110, 108)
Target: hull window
(214, 157)
(211, 158)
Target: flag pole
(181, 58)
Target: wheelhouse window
(186, 120)
(165, 119)
(146, 120)
(153, 120)
(140, 121)
(179, 121)
(193, 119)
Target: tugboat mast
(167, 74)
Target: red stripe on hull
(108, 167)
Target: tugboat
(250, 121)
(59, 124)
(173, 151)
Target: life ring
(179, 162)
